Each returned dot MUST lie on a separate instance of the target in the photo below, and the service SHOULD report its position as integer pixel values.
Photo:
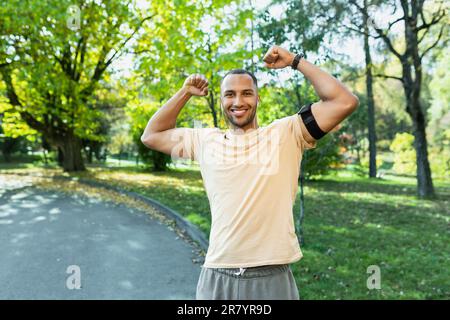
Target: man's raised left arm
(336, 101)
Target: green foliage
(440, 157)
(439, 86)
(139, 112)
(54, 75)
(404, 153)
(365, 162)
(299, 27)
(406, 237)
(199, 220)
(9, 145)
(121, 142)
(325, 156)
(187, 38)
(56, 70)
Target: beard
(241, 122)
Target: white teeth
(238, 112)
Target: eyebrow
(245, 90)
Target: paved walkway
(121, 253)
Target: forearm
(166, 117)
(327, 87)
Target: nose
(237, 101)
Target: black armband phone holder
(310, 122)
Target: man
(250, 174)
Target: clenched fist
(278, 58)
(196, 84)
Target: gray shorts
(274, 282)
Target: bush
(139, 114)
(323, 158)
(404, 153)
(440, 157)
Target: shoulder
(293, 125)
(286, 122)
(204, 133)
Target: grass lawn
(350, 224)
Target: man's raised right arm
(160, 130)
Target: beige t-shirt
(251, 180)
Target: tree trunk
(425, 187)
(412, 84)
(46, 147)
(299, 224)
(212, 100)
(8, 146)
(425, 183)
(90, 155)
(159, 161)
(298, 96)
(211, 103)
(71, 150)
(252, 67)
(45, 157)
(7, 156)
(60, 157)
(370, 100)
(88, 150)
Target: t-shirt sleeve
(192, 143)
(292, 126)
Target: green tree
(139, 112)
(417, 18)
(52, 72)
(299, 30)
(194, 37)
(186, 38)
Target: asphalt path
(57, 246)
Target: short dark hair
(241, 71)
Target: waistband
(252, 272)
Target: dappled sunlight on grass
(350, 223)
(347, 227)
(149, 179)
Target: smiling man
(250, 174)
(240, 99)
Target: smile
(239, 112)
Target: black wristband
(296, 60)
(310, 122)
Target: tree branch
(392, 23)
(355, 30)
(139, 51)
(80, 65)
(389, 44)
(5, 64)
(380, 33)
(77, 51)
(14, 101)
(102, 65)
(436, 18)
(423, 35)
(441, 32)
(387, 77)
(110, 60)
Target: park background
(79, 81)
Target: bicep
(170, 142)
(328, 114)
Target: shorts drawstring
(240, 272)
